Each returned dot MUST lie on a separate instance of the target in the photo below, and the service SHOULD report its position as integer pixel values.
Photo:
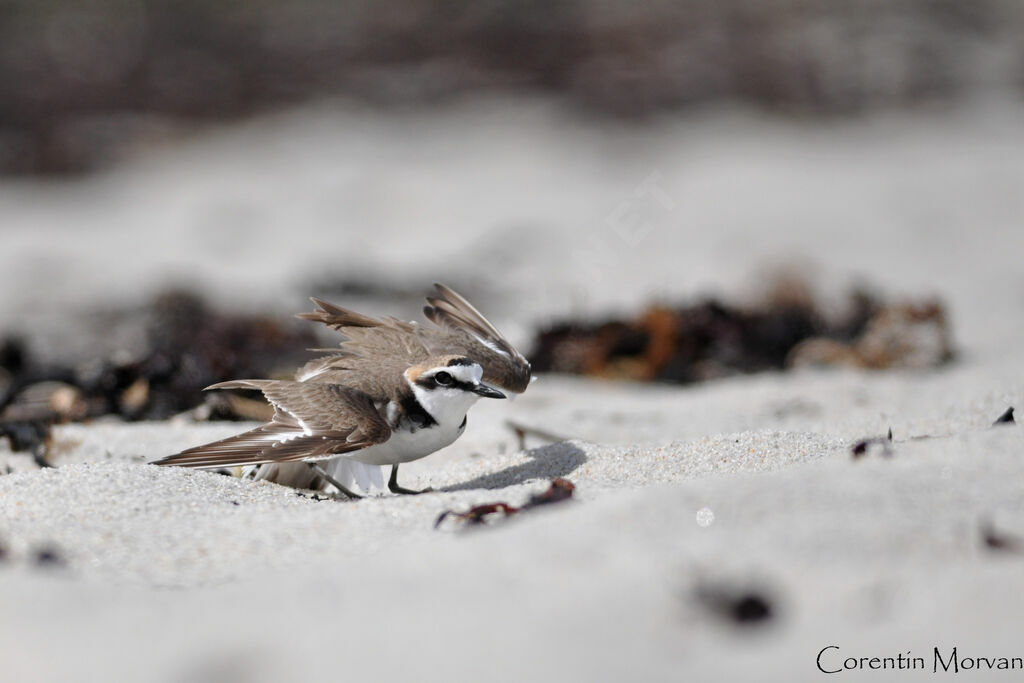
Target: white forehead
(465, 373)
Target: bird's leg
(331, 480)
(395, 488)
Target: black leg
(395, 488)
(331, 480)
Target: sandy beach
(689, 500)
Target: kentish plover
(393, 392)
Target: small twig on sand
(522, 431)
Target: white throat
(447, 406)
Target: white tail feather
(353, 475)
(350, 472)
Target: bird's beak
(487, 392)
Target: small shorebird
(393, 392)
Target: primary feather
(460, 329)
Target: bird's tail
(349, 473)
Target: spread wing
(370, 347)
(373, 343)
(472, 335)
(311, 421)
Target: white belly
(406, 446)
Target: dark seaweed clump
(188, 347)
(710, 339)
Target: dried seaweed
(33, 436)
(188, 347)
(559, 490)
(711, 339)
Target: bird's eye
(443, 378)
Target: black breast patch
(415, 413)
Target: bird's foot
(395, 488)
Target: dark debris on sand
(711, 339)
(743, 607)
(559, 490)
(997, 541)
(188, 347)
(1006, 418)
(860, 448)
(48, 556)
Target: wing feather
(449, 308)
(311, 421)
(502, 363)
(337, 317)
(371, 342)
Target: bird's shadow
(546, 462)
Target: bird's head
(451, 375)
(446, 386)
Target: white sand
(174, 575)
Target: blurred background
(555, 161)
(85, 83)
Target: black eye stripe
(430, 381)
